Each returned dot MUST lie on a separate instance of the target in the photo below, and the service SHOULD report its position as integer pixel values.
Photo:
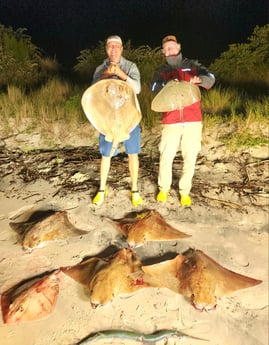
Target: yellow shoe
(100, 197)
(162, 196)
(136, 198)
(185, 200)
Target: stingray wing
(84, 272)
(227, 281)
(112, 108)
(175, 95)
(165, 273)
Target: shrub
(21, 62)
(246, 65)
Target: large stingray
(32, 300)
(198, 277)
(148, 225)
(112, 108)
(44, 226)
(107, 279)
(175, 95)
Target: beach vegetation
(33, 92)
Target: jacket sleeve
(98, 72)
(208, 79)
(157, 82)
(133, 78)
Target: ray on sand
(120, 274)
(198, 277)
(32, 300)
(144, 226)
(49, 226)
(175, 95)
(112, 108)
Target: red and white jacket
(182, 69)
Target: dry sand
(231, 229)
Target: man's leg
(133, 168)
(104, 170)
(171, 135)
(190, 146)
(105, 149)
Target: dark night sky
(204, 27)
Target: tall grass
(45, 100)
(58, 102)
(246, 120)
(54, 101)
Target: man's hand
(195, 80)
(114, 70)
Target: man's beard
(174, 60)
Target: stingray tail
(113, 148)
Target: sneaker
(185, 200)
(162, 196)
(100, 197)
(136, 198)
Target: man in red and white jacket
(180, 128)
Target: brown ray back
(122, 275)
(175, 95)
(207, 280)
(54, 227)
(147, 225)
(197, 276)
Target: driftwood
(77, 169)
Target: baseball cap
(169, 38)
(114, 38)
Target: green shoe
(185, 200)
(136, 198)
(100, 197)
(162, 196)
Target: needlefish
(134, 336)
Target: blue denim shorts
(132, 145)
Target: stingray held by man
(176, 95)
(112, 108)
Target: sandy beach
(228, 221)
